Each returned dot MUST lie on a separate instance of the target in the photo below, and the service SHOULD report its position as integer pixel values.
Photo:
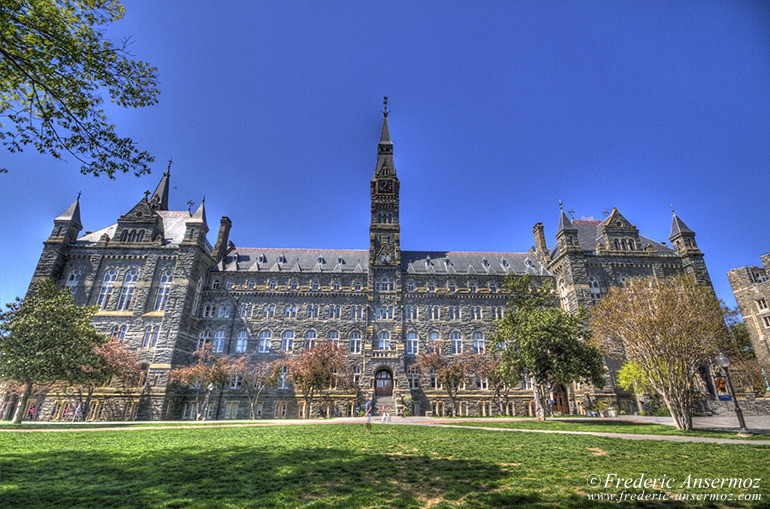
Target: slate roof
(173, 228)
(469, 263)
(589, 234)
(295, 260)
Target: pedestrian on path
(369, 420)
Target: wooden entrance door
(560, 403)
(383, 383)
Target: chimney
(542, 250)
(220, 248)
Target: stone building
(164, 290)
(752, 291)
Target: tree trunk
(22, 403)
(538, 397)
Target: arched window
(73, 279)
(268, 311)
(219, 342)
(293, 285)
(310, 339)
(242, 343)
(334, 311)
(452, 286)
(456, 343)
(203, 338)
(336, 285)
(431, 286)
(411, 343)
(596, 292)
(150, 337)
(272, 284)
(251, 284)
(472, 286)
(314, 286)
(357, 285)
(264, 341)
(355, 342)
(214, 284)
(493, 287)
(290, 311)
(127, 292)
(164, 289)
(335, 337)
(229, 284)
(105, 291)
(119, 332)
(384, 341)
(197, 299)
(410, 286)
(224, 311)
(478, 343)
(287, 341)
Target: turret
(196, 227)
(566, 233)
(65, 232)
(683, 240)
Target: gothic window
(197, 298)
(434, 312)
(499, 312)
(119, 332)
(411, 312)
(310, 339)
(164, 289)
(410, 286)
(251, 284)
(482, 383)
(219, 342)
(73, 278)
(264, 341)
(293, 284)
(313, 310)
(493, 287)
(127, 292)
(272, 284)
(208, 310)
(203, 338)
(242, 343)
(336, 285)
(356, 313)
(384, 341)
(453, 312)
(224, 311)
(290, 311)
(355, 342)
(356, 375)
(766, 320)
(631, 245)
(411, 343)
(268, 311)
(106, 290)
(452, 286)
(245, 310)
(433, 338)
(456, 343)
(334, 311)
(477, 313)
(564, 295)
(215, 284)
(472, 286)
(431, 286)
(593, 284)
(229, 284)
(287, 341)
(478, 343)
(314, 286)
(616, 245)
(761, 304)
(357, 285)
(150, 337)
(335, 337)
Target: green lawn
(340, 466)
(608, 427)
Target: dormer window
(314, 286)
(321, 261)
(282, 259)
(340, 261)
(272, 284)
(215, 284)
(293, 284)
(505, 263)
(262, 259)
(485, 262)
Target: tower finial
(146, 194)
(672, 209)
(385, 106)
(561, 205)
(170, 160)
(79, 193)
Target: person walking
(368, 420)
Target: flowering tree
(668, 328)
(209, 372)
(317, 369)
(450, 371)
(500, 376)
(542, 341)
(256, 376)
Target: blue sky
(499, 110)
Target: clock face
(385, 186)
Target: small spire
(168, 170)
(678, 227)
(385, 105)
(200, 215)
(79, 193)
(159, 199)
(561, 205)
(146, 194)
(72, 214)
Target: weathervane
(672, 209)
(571, 213)
(146, 194)
(561, 205)
(385, 105)
(190, 204)
(170, 160)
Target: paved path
(759, 424)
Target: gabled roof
(72, 214)
(468, 263)
(173, 229)
(589, 235)
(295, 260)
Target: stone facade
(164, 290)
(752, 291)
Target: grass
(340, 466)
(586, 425)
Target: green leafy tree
(669, 327)
(545, 343)
(46, 339)
(55, 66)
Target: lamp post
(724, 363)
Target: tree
(317, 369)
(670, 327)
(209, 372)
(543, 342)
(46, 339)
(449, 371)
(500, 376)
(256, 377)
(55, 66)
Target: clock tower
(384, 242)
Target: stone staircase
(385, 401)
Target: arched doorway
(560, 402)
(383, 383)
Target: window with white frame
(356, 313)
(433, 341)
(411, 343)
(482, 383)
(119, 332)
(108, 282)
(251, 284)
(224, 311)
(272, 284)
(453, 312)
(209, 310)
(287, 341)
(245, 310)
(219, 342)
(268, 311)
(355, 342)
(283, 383)
(164, 290)
(456, 343)
(452, 286)
(478, 343)
(229, 284)
(357, 285)
(127, 291)
(231, 410)
(214, 284)
(197, 298)
(264, 341)
(190, 410)
(476, 312)
(203, 338)
(413, 374)
(499, 312)
(150, 337)
(431, 286)
(290, 311)
(73, 279)
(493, 287)
(313, 310)
(593, 285)
(761, 304)
(383, 342)
(766, 319)
(334, 311)
(236, 382)
(314, 286)
(473, 286)
(336, 285)
(242, 342)
(293, 285)
(356, 375)
(433, 312)
(410, 286)
(411, 312)
(310, 339)
(334, 336)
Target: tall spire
(385, 136)
(385, 166)
(678, 227)
(159, 199)
(72, 214)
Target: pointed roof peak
(72, 214)
(564, 223)
(159, 199)
(385, 136)
(200, 214)
(678, 227)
